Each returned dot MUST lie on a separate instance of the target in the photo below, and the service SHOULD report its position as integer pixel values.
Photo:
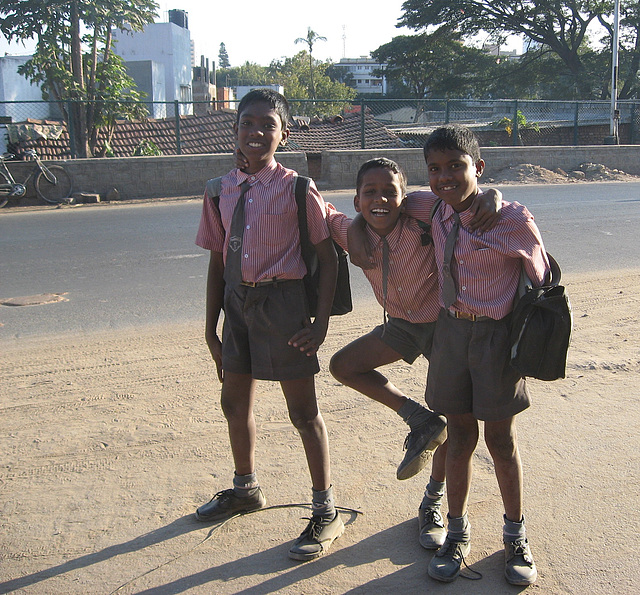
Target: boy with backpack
(255, 275)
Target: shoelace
(433, 516)
(454, 545)
(519, 548)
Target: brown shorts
(258, 323)
(409, 339)
(469, 370)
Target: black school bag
(541, 326)
(342, 302)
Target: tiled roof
(213, 133)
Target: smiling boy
(469, 377)
(255, 275)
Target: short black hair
(381, 163)
(277, 101)
(453, 137)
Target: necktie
(385, 279)
(233, 265)
(449, 292)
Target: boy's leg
(355, 366)
(246, 495)
(501, 440)
(325, 525)
(431, 524)
(461, 443)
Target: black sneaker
(225, 504)
(317, 538)
(420, 445)
(519, 567)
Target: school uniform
(469, 369)
(268, 305)
(411, 300)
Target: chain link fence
(201, 127)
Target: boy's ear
(403, 204)
(356, 203)
(285, 136)
(479, 167)
(235, 128)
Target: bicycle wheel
(58, 191)
(4, 195)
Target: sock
(323, 504)
(512, 531)
(245, 485)
(413, 413)
(433, 494)
(459, 528)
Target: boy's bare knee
(339, 367)
(501, 444)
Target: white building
(361, 70)
(162, 54)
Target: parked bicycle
(52, 182)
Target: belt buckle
(465, 316)
(249, 283)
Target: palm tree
(310, 39)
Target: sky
(262, 31)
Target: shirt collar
(392, 237)
(265, 175)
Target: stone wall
(150, 177)
(339, 168)
(186, 175)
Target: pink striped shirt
(271, 239)
(412, 285)
(487, 266)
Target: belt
(465, 316)
(273, 281)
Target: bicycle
(52, 182)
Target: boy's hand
(310, 337)
(215, 347)
(359, 249)
(486, 208)
(241, 160)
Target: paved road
(136, 264)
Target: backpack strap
(301, 189)
(213, 188)
(434, 208)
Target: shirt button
(252, 178)
(462, 262)
(248, 227)
(399, 288)
(246, 256)
(464, 288)
(408, 311)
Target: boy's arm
(312, 336)
(359, 249)
(214, 303)
(338, 224)
(486, 208)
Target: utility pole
(613, 138)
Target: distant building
(494, 49)
(168, 46)
(361, 74)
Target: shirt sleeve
(528, 243)
(316, 215)
(210, 234)
(338, 224)
(419, 204)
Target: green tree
(74, 61)
(561, 25)
(223, 57)
(311, 39)
(435, 65)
